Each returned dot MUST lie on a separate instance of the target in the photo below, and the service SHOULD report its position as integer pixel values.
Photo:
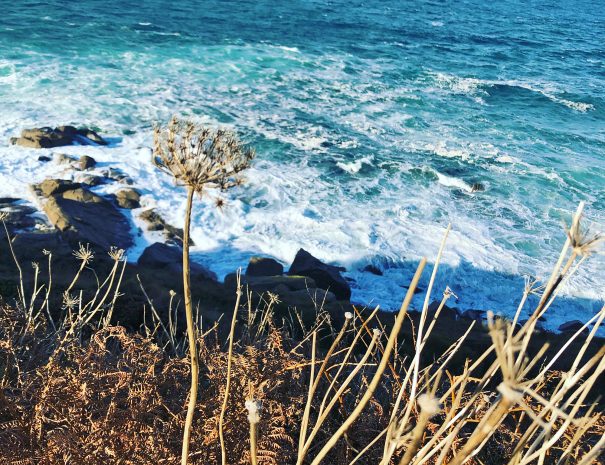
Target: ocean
(376, 125)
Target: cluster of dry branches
(275, 391)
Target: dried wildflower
(273, 298)
(3, 216)
(533, 286)
(70, 302)
(84, 254)
(200, 157)
(348, 315)
(583, 242)
(115, 253)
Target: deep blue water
(372, 120)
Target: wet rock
(571, 326)
(92, 135)
(167, 258)
(47, 137)
(50, 187)
(128, 198)
(64, 159)
(42, 138)
(18, 217)
(373, 269)
(92, 180)
(326, 276)
(44, 158)
(477, 187)
(87, 162)
(264, 266)
(156, 223)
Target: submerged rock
(264, 266)
(326, 276)
(373, 269)
(156, 223)
(47, 137)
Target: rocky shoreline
(67, 213)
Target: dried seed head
(70, 302)
(200, 157)
(115, 253)
(348, 316)
(583, 242)
(84, 254)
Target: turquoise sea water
(372, 120)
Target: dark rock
(128, 198)
(92, 135)
(63, 135)
(44, 158)
(64, 159)
(169, 259)
(571, 326)
(306, 297)
(8, 200)
(87, 162)
(373, 269)
(270, 283)
(477, 315)
(42, 138)
(156, 223)
(447, 312)
(86, 217)
(477, 187)
(50, 187)
(91, 180)
(264, 266)
(326, 276)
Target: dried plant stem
(190, 330)
(228, 384)
(21, 286)
(383, 363)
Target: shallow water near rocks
(372, 122)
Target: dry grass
(78, 390)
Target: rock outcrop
(264, 266)
(47, 137)
(169, 259)
(83, 216)
(155, 222)
(128, 198)
(325, 276)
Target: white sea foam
(450, 181)
(354, 166)
(476, 88)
